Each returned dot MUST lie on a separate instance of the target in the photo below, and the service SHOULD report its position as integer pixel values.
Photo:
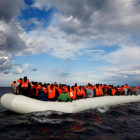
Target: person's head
(75, 84)
(36, 84)
(25, 78)
(20, 79)
(14, 82)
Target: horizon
(70, 41)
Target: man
(25, 87)
(64, 96)
(136, 91)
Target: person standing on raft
(25, 87)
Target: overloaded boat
(23, 105)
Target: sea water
(104, 123)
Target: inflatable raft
(22, 104)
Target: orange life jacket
(51, 93)
(71, 93)
(118, 89)
(48, 86)
(12, 84)
(39, 86)
(113, 91)
(24, 84)
(83, 92)
(98, 91)
(18, 80)
(135, 89)
(45, 90)
(76, 90)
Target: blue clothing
(42, 95)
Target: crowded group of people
(63, 93)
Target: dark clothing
(33, 93)
(42, 95)
(25, 92)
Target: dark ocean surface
(105, 123)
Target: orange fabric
(76, 90)
(25, 84)
(12, 84)
(18, 80)
(83, 92)
(98, 91)
(118, 89)
(51, 93)
(39, 87)
(72, 93)
(100, 87)
(48, 86)
(135, 88)
(123, 88)
(64, 89)
(113, 91)
(45, 90)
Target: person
(129, 91)
(89, 91)
(64, 96)
(52, 93)
(34, 90)
(76, 88)
(25, 87)
(41, 94)
(14, 89)
(105, 89)
(113, 90)
(18, 84)
(136, 91)
(13, 83)
(70, 92)
(118, 90)
(98, 90)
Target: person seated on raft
(76, 88)
(52, 93)
(113, 91)
(129, 91)
(136, 91)
(82, 92)
(125, 90)
(98, 91)
(118, 90)
(25, 87)
(64, 96)
(18, 84)
(14, 90)
(105, 87)
(70, 92)
(34, 90)
(89, 91)
(41, 94)
(13, 83)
